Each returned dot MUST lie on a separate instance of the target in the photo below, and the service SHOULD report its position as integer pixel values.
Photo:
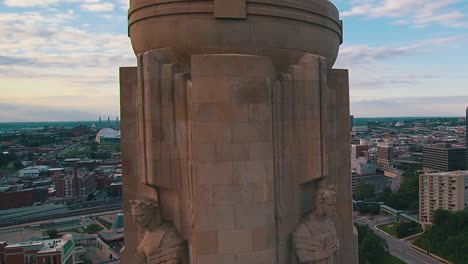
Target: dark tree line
(373, 249)
(448, 237)
(405, 198)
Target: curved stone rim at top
(302, 10)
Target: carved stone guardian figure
(315, 238)
(161, 244)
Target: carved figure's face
(329, 207)
(141, 218)
(143, 212)
(326, 207)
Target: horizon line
(114, 120)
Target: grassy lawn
(388, 228)
(390, 259)
(75, 154)
(109, 147)
(8, 169)
(392, 227)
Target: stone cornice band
(299, 10)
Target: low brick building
(17, 198)
(74, 184)
(52, 251)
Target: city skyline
(59, 58)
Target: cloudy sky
(59, 59)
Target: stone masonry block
(263, 238)
(220, 112)
(215, 218)
(232, 65)
(260, 171)
(254, 216)
(230, 9)
(251, 131)
(258, 257)
(208, 242)
(232, 151)
(209, 89)
(260, 151)
(260, 112)
(217, 259)
(262, 192)
(204, 194)
(214, 172)
(211, 132)
(231, 194)
(204, 152)
(235, 241)
(250, 90)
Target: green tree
(18, 165)
(52, 233)
(405, 229)
(94, 146)
(372, 248)
(93, 228)
(364, 192)
(448, 236)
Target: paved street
(399, 248)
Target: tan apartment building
(443, 190)
(384, 154)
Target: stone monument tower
(235, 134)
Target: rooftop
(444, 146)
(53, 245)
(112, 235)
(40, 167)
(25, 244)
(450, 173)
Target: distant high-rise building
(358, 151)
(351, 122)
(444, 157)
(443, 190)
(384, 154)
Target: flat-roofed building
(444, 157)
(358, 151)
(384, 154)
(52, 251)
(78, 184)
(442, 190)
(17, 198)
(32, 172)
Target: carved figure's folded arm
(309, 248)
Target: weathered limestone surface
(231, 121)
(128, 84)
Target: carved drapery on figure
(161, 243)
(315, 238)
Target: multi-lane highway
(399, 248)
